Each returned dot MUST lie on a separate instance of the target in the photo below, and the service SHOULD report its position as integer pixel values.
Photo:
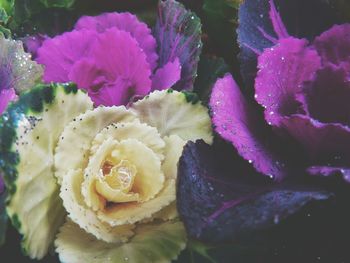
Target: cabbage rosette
(110, 171)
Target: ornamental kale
(115, 57)
(302, 85)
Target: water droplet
(276, 219)
(262, 15)
(271, 176)
(271, 113)
(283, 58)
(192, 17)
(250, 161)
(269, 123)
(256, 96)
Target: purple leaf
(334, 46)
(327, 171)
(218, 204)
(121, 69)
(235, 121)
(323, 143)
(282, 71)
(261, 24)
(59, 54)
(178, 35)
(111, 66)
(255, 33)
(126, 22)
(6, 96)
(327, 97)
(167, 76)
(33, 43)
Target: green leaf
(209, 70)
(25, 17)
(7, 5)
(57, 3)
(220, 20)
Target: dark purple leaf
(327, 97)
(324, 143)
(178, 35)
(218, 204)
(334, 46)
(255, 33)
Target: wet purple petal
(167, 76)
(327, 171)
(327, 97)
(126, 22)
(334, 46)
(237, 123)
(59, 54)
(323, 143)
(282, 71)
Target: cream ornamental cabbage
(116, 170)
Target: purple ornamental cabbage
(304, 88)
(115, 57)
(297, 132)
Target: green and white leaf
(152, 243)
(176, 113)
(29, 132)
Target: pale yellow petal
(73, 202)
(135, 212)
(73, 148)
(132, 130)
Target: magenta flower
(114, 56)
(304, 88)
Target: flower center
(116, 184)
(121, 176)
